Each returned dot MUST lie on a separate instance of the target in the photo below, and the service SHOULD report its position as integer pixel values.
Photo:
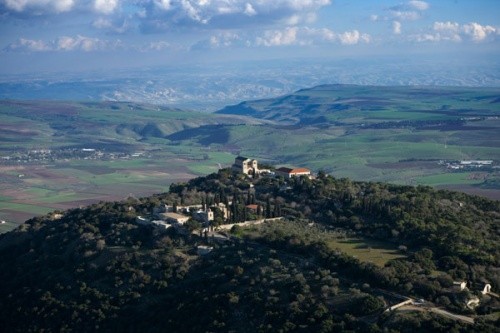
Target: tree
(217, 221)
(424, 258)
(268, 208)
(192, 225)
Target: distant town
(468, 164)
(52, 155)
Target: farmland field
(58, 155)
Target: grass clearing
(367, 250)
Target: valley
(59, 155)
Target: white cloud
(39, 6)
(118, 27)
(158, 46)
(224, 39)
(249, 10)
(353, 37)
(478, 32)
(406, 15)
(296, 5)
(446, 26)
(293, 20)
(419, 5)
(409, 11)
(396, 28)
(221, 40)
(453, 31)
(227, 10)
(64, 43)
(163, 4)
(105, 6)
(326, 34)
(86, 44)
(445, 31)
(63, 5)
(162, 14)
(278, 38)
(426, 37)
(310, 36)
(28, 45)
(192, 11)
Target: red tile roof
(293, 171)
(300, 170)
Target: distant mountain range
(208, 88)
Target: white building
(245, 165)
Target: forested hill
(96, 269)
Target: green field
(366, 250)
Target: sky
(48, 36)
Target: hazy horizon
(207, 53)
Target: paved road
(453, 316)
(438, 311)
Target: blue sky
(40, 36)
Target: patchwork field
(57, 155)
(34, 189)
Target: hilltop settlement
(255, 248)
(212, 213)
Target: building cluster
(473, 301)
(250, 167)
(50, 155)
(467, 164)
(166, 216)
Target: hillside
(108, 125)
(96, 269)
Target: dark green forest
(96, 269)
